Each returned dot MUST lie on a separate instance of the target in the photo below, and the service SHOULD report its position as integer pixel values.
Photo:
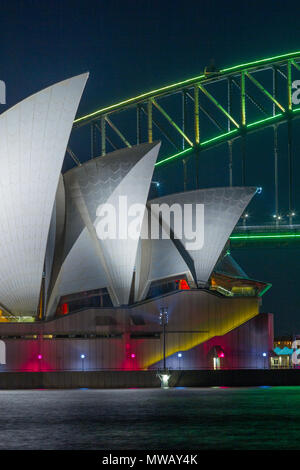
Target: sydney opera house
(71, 300)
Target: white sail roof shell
(222, 209)
(33, 140)
(90, 262)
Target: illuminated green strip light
(138, 98)
(202, 145)
(268, 286)
(167, 88)
(227, 136)
(263, 236)
(264, 121)
(254, 63)
(185, 152)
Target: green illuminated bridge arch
(197, 114)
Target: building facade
(73, 297)
(204, 331)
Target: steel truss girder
(263, 89)
(250, 97)
(161, 129)
(73, 156)
(170, 120)
(207, 113)
(191, 88)
(117, 131)
(232, 135)
(185, 129)
(239, 110)
(251, 67)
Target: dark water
(222, 418)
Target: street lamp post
(164, 374)
(163, 318)
(40, 357)
(82, 361)
(264, 356)
(179, 355)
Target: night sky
(132, 46)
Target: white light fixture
(165, 380)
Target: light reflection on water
(176, 418)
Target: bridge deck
(246, 234)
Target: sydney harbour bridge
(219, 109)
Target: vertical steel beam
(229, 109)
(138, 125)
(184, 115)
(197, 132)
(196, 115)
(276, 172)
(184, 162)
(275, 87)
(92, 128)
(289, 84)
(290, 160)
(244, 149)
(290, 149)
(230, 163)
(243, 119)
(103, 136)
(243, 98)
(162, 130)
(149, 111)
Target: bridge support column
(290, 149)
(149, 111)
(184, 161)
(243, 119)
(276, 172)
(197, 133)
(230, 163)
(244, 152)
(93, 140)
(229, 106)
(290, 159)
(103, 136)
(138, 125)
